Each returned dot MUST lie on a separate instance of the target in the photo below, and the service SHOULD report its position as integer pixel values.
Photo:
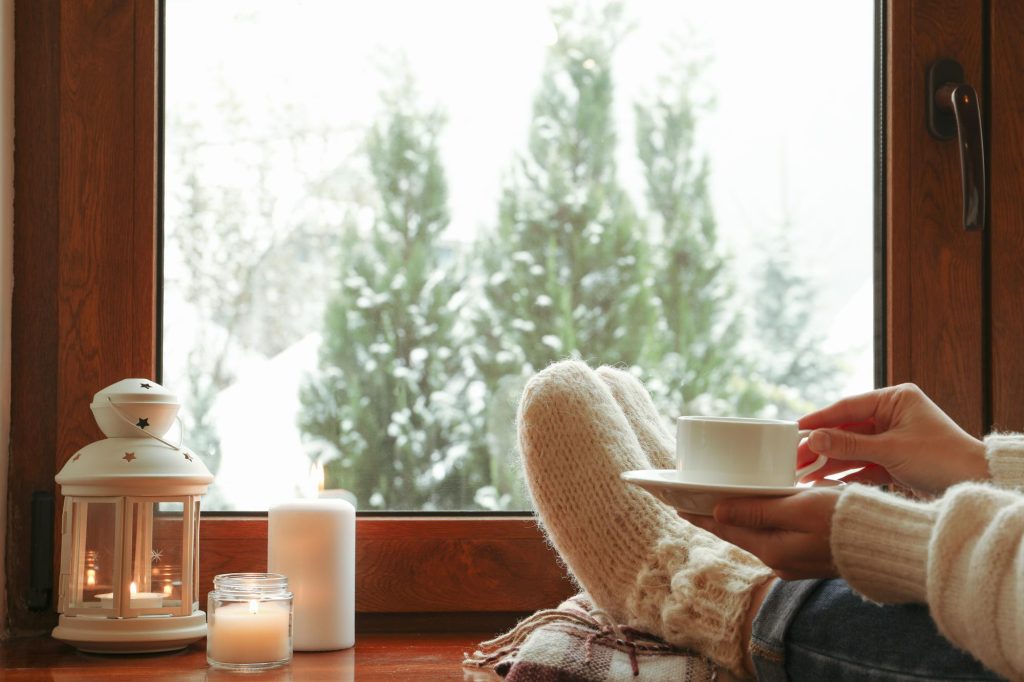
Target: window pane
(94, 526)
(156, 550)
(380, 223)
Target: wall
(6, 272)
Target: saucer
(669, 486)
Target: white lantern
(130, 529)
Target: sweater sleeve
(962, 554)
(1005, 453)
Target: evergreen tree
(693, 350)
(390, 408)
(565, 269)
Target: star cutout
(145, 385)
(142, 423)
(128, 456)
(187, 456)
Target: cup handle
(813, 466)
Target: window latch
(954, 112)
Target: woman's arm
(962, 554)
(1005, 454)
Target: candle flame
(132, 588)
(254, 606)
(90, 576)
(168, 589)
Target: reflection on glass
(159, 559)
(93, 525)
(375, 234)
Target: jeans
(822, 630)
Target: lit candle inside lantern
(90, 577)
(168, 589)
(139, 600)
(253, 632)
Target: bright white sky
(792, 81)
(792, 124)
(784, 76)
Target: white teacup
(737, 451)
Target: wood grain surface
(374, 657)
(935, 306)
(85, 250)
(34, 339)
(417, 565)
(1006, 193)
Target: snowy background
(298, 82)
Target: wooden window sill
(375, 657)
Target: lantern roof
(134, 466)
(134, 391)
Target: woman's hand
(789, 534)
(900, 435)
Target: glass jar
(249, 621)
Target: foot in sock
(637, 559)
(657, 443)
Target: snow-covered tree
(565, 271)
(391, 411)
(692, 353)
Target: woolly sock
(637, 559)
(657, 443)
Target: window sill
(375, 656)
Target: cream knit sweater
(962, 555)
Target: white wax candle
(253, 632)
(139, 600)
(313, 543)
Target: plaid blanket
(577, 643)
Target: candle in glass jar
(251, 632)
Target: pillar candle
(313, 543)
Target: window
(376, 231)
(85, 267)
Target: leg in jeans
(823, 630)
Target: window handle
(953, 111)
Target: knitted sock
(637, 559)
(643, 418)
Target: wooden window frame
(935, 315)
(85, 307)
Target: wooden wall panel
(34, 375)
(935, 306)
(107, 234)
(85, 239)
(1006, 227)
